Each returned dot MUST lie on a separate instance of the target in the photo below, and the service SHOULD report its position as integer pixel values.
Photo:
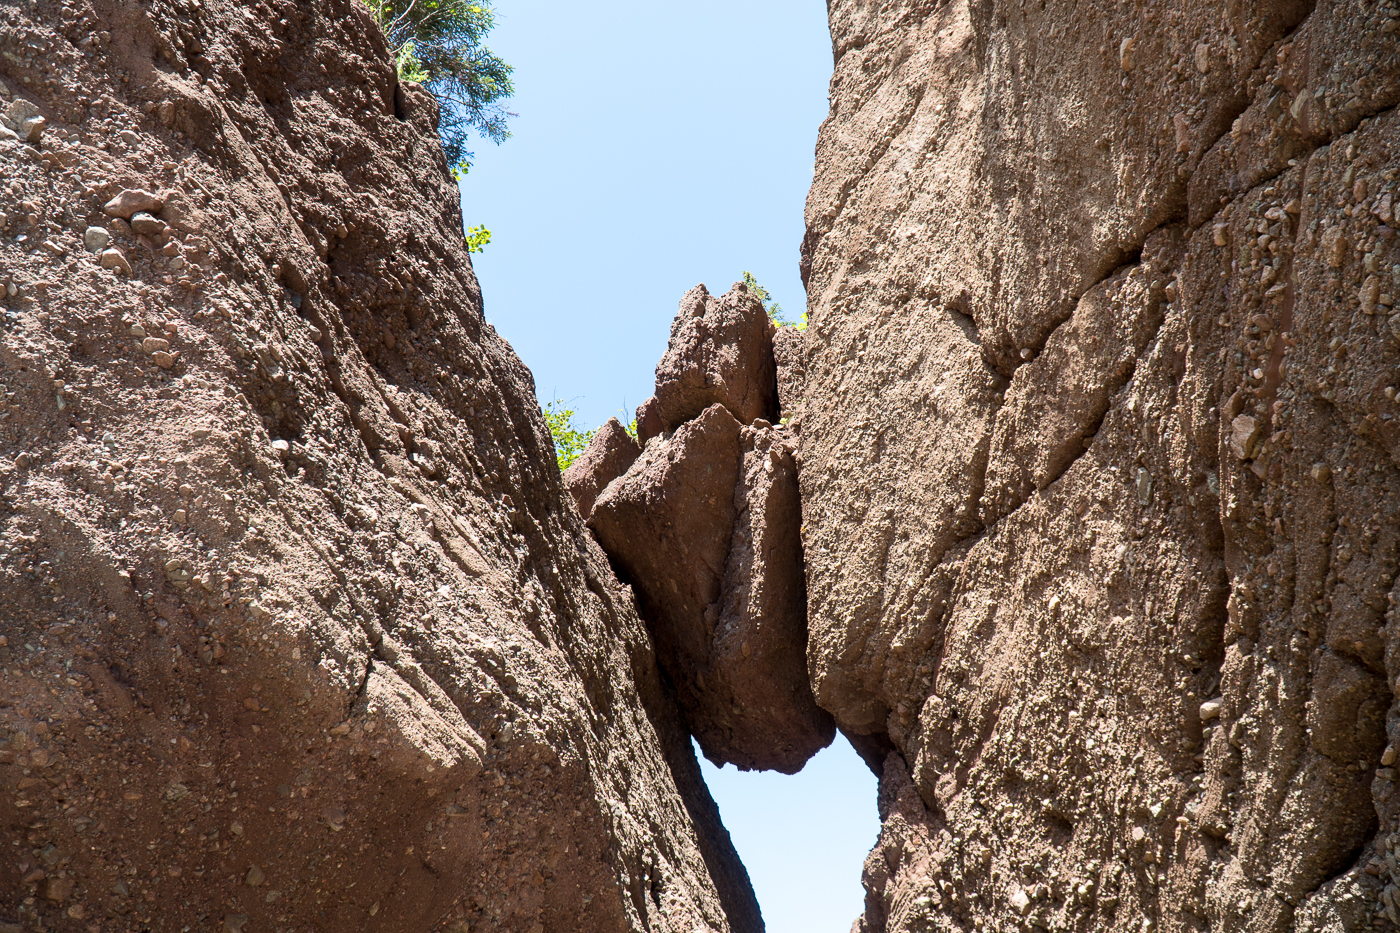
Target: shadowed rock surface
(790, 359)
(649, 422)
(298, 627)
(606, 457)
(759, 648)
(1099, 458)
(667, 525)
(721, 351)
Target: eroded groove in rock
(298, 626)
(1150, 683)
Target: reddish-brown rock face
(706, 528)
(1099, 458)
(649, 423)
(667, 525)
(759, 647)
(789, 355)
(606, 457)
(721, 351)
(299, 628)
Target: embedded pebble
(146, 224)
(23, 117)
(155, 344)
(1369, 294)
(1203, 58)
(1245, 433)
(113, 259)
(96, 239)
(163, 359)
(132, 200)
(1210, 709)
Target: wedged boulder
(721, 351)
(705, 525)
(762, 700)
(789, 357)
(666, 525)
(606, 457)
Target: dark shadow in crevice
(873, 749)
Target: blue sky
(658, 146)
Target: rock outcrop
(706, 527)
(759, 646)
(649, 423)
(299, 628)
(607, 456)
(720, 352)
(1099, 458)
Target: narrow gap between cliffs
(803, 838)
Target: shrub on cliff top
(437, 43)
(569, 441)
(775, 310)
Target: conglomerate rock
(720, 351)
(667, 525)
(705, 526)
(789, 357)
(759, 646)
(298, 627)
(1099, 458)
(607, 456)
(649, 423)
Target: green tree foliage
(569, 441)
(477, 238)
(775, 310)
(437, 43)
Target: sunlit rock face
(1099, 457)
(299, 628)
(705, 525)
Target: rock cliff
(299, 628)
(1094, 429)
(1099, 458)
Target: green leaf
(569, 442)
(476, 239)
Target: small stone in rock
(113, 259)
(132, 200)
(96, 239)
(146, 224)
